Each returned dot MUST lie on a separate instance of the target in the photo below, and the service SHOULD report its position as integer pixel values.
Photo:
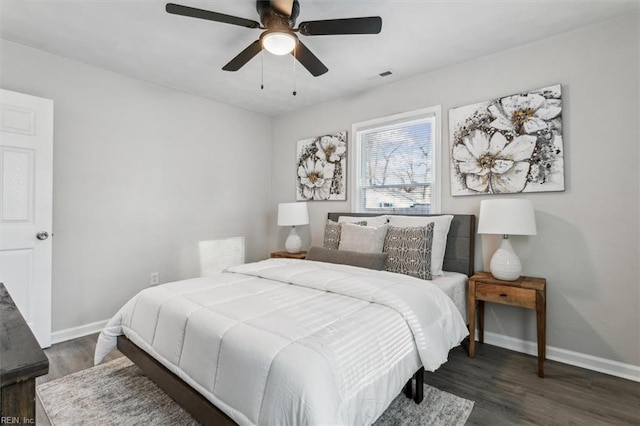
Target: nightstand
(287, 255)
(525, 292)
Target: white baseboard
(590, 362)
(75, 332)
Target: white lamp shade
(507, 217)
(292, 214)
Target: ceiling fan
(278, 19)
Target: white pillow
(371, 221)
(441, 226)
(363, 239)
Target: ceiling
(139, 39)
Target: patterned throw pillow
(409, 251)
(332, 234)
(441, 225)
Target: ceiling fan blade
(368, 25)
(309, 60)
(243, 57)
(192, 12)
(283, 7)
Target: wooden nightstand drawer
(506, 295)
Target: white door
(26, 160)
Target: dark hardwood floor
(503, 384)
(507, 390)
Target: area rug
(118, 393)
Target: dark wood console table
(21, 361)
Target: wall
(141, 175)
(587, 244)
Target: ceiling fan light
(279, 43)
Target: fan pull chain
(294, 69)
(262, 69)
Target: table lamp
(293, 214)
(506, 217)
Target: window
(397, 163)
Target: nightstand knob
(503, 295)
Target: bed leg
(418, 396)
(408, 389)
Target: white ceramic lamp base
(294, 242)
(505, 264)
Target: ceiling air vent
(385, 73)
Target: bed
(287, 341)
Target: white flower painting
(321, 168)
(508, 145)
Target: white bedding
(454, 284)
(286, 341)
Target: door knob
(42, 235)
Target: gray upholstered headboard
(459, 254)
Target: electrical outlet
(154, 278)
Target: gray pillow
(365, 239)
(377, 261)
(332, 234)
(409, 250)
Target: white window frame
(358, 167)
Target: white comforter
(285, 341)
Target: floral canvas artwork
(508, 145)
(321, 168)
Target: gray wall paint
(141, 175)
(587, 244)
